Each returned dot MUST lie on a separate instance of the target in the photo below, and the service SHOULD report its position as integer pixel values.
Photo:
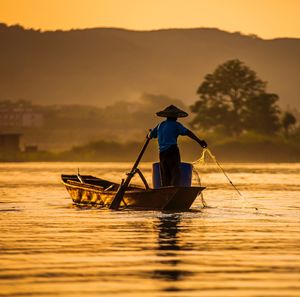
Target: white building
(20, 117)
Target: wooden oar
(121, 191)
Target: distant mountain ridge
(104, 65)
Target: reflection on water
(48, 247)
(167, 248)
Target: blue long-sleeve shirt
(167, 133)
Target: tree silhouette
(234, 98)
(288, 121)
(262, 114)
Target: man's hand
(148, 136)
(203, 143)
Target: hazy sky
(266, 18)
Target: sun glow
(266, 18)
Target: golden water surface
(48, 247)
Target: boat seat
(109, 188)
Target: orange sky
(266, 18)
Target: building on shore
(21, 117)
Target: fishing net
(206, 158)
(196, 165)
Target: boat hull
(94, 191)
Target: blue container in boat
(186, 170)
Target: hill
(105, 65)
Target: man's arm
(190, 134)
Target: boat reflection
(168, 251)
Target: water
(51, 248)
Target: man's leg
(165, 173)
(175, 167)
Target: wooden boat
(90, 190)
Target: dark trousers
(170, 166)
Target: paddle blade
(118, 198)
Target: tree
(288, 121)
(225, 98)
(262, 114)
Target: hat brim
(170, 114)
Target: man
(167, 133)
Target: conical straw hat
(172, 112)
